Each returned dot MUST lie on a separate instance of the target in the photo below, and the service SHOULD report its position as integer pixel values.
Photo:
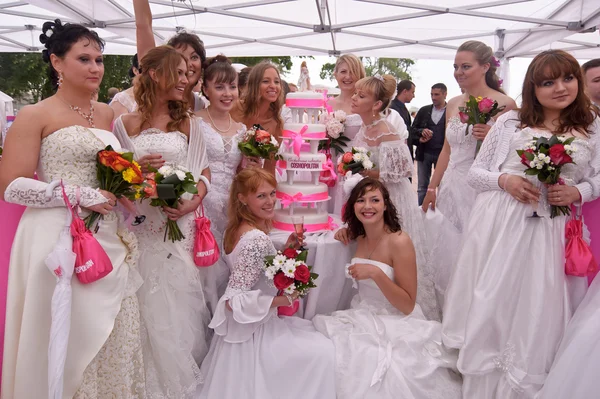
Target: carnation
(166, 170)
(367, 164)
(180, 175)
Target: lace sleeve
(395, 163)
(484, 173)
(38, 194)
(589, 188)
(249, 264)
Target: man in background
(591, 71)
(406, 92)
(429, 130)
(111, 93)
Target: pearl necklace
(215, 125)
(375, 122)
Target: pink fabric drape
(591, 217)
(10, 215)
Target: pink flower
(347, 158)
(464, 118)
(486, 105)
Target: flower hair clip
(494, 61)
(378, 77)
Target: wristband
(204, 180)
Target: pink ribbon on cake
(304, 103)
(287, 199)
(297, 137)
(328, 165)
(330, 225)
(328, 107)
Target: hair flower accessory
(494, 61)
(378, 77)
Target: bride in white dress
(172, 299)
(509, 300)
(393, 166)
(475, 72)
(255, 353)
(59, 139)
(385, 347)
(222, 136)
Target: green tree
(116, 74)
(23, 74)
(397, 67)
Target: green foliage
(397, 67)
(24, 74)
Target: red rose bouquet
(257, 142)
(478, 110)
(119, 174)
(544, 158)
(288, 272)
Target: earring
(60, 79)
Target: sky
(425, 73)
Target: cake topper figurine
(304, 79)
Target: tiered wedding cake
(302, 194)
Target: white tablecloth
(328, 258)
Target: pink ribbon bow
(328, 165)
(287, 199)
(297, 139)
(579, 260)
(328, 107)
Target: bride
(393, 166)
(60, 136)
(255, 353)
(172, 299)
(384, 344)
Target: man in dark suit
(406, 92)
(429, 131)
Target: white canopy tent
(384, 28)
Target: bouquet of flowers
(119, 174)
(257, 142)
(544, 158)
(335, 125)
(288, 271)
(165, 187)
(354, 161)
(478, 110)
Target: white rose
(340, 115)
(334, 128)
(166, 170)
(180, 175)
(367, 164)
(358, 157)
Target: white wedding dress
(224, 158)
(382, 353)
(104, 357)
(455, 199)
(128, 101)
(172, 299)
(509, 301)
(392, 159)
(575, 370)
(256, 354)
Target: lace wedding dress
(172, 300)
(509, 300)
(104, 357)
(382, 353)
(224, 157)
(395, 166)
(255, 353)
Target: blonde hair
(246, 182)
(381, 87)
(484, 55)
(164, 60)
(355, 66)
(251, 101)
(303, 65)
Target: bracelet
(431, 190)
(205, 181)
(289, 298)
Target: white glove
(38, 194)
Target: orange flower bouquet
(119, 174)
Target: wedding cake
(302, 196)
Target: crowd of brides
(477, 307)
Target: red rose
(341, 170)
(290, 253)
(302, 273)
(262, 136)
(558, 155)
(464, 118)
(281, 281)
(347, 158)
(524, 159)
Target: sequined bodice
(173, 146)
(462, 146)
(70, 154)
